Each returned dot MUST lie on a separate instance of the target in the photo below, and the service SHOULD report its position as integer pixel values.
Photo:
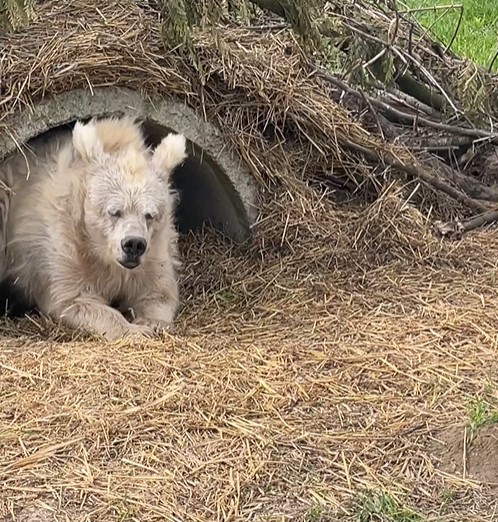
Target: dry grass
(312, 366)
(304, 372)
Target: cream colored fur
(64, 238)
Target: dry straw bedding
(315, 364)
(303, 372)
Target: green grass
(481, 413)
(448, 495)
(477, 36)
(314, 514)
(383, 507)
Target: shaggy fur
(76, 200)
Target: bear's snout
(133, 246)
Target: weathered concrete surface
(171, 115)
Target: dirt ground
(476, 458)
(331, 362)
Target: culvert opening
(206, 197)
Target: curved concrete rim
(81, 104)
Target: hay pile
(314, 369)
(291, 115)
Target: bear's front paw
(156, 326)
(139, 331)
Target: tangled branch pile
(434, 111)
(346, 94)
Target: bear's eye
(149, 216)
(115, 213)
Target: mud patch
(477, 456)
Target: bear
(90, 232)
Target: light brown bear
(90, 225)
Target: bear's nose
(133, 246)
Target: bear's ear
(86, 141)
(170, 153)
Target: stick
(409, 118)
(417, 172)
(479, 221)
(456, 229)
(470, 184)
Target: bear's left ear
(86, 141)
(170, 153)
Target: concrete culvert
(215, 186)
(214, 183)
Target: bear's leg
(157, 313)
(89, 313)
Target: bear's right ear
(86, 141)
(169, 154)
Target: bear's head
(127, 194)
